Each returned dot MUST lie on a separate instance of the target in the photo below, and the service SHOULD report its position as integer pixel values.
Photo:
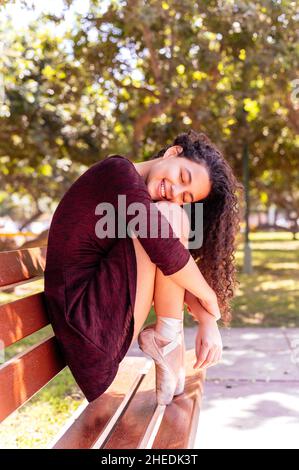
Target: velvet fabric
(90, 282)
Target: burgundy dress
(90, 282)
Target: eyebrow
(190, 181)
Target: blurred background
(82, 79)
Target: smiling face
(177, 179)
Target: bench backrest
(126, 416)
(26, 373)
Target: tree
(128, 79)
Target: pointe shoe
(182, 372)
(167, 356)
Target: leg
(164, 342)
(146, 271)
(169, 296)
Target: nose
(176, 190)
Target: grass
(267, 298)
(39, 421)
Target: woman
(100, 286)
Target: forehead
(201, 184)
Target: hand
(208, 344)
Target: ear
(173, 151)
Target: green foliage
(127, 77)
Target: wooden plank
(166, 427)
(11, 287)
(153, 428)
(92, 424)
(135, 421)
(21, 265)
(22, 317)
(17, 234)
(25, 374)
(183, 413)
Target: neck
(144, 168)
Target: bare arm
(196, 309)
(208, 343)
(191, 279)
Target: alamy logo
(135, 220)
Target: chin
(152, 196)
(151, 191)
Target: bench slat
(126, 416)
(183, 412)
(135, 420)
(21, 318)
(25, 374)
(84, 431)
(20, 265)
(143, 413)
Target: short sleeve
(119, 177)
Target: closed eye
(182, 179)
(190, 194)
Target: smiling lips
(162, 189)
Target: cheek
(152, 186)
(154, 178)
(157, 174)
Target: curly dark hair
(221, 217)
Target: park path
(251, 398)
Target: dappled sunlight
(199, 103)
(40, 420)
(251, 397)
(21, 291)
(270, 236)
(270, 284)
(277, 266)
(270, 295)
(14, 325)
(230, 357)
(276, 246)
(288, 284)
(249, 416)
(256, 319)
(22, 345)
(254, 407)
(16, 314)
(249, 336)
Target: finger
(219, 355)
(209, 359)
(204, 350)
(214, 360)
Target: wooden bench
(126, 416)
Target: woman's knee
(177, 218)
